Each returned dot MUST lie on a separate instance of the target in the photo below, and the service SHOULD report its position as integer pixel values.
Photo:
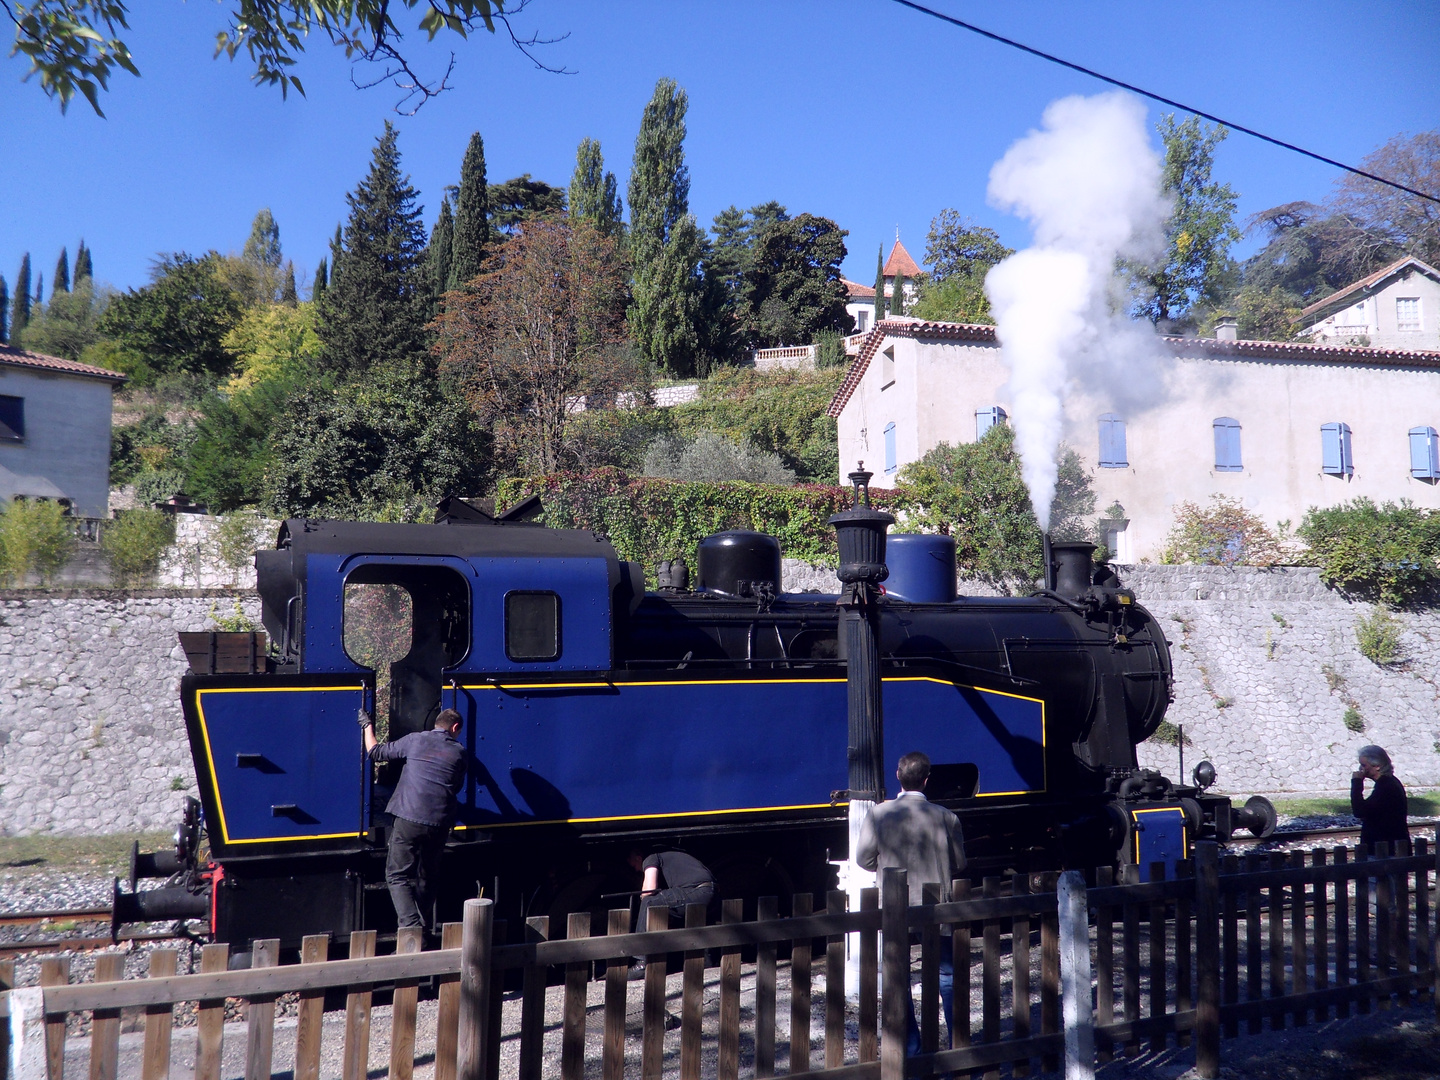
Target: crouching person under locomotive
(423, 807)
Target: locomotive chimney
(1072, 565)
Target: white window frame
(1404, 327)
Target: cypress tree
(897, 296)
(594, 194)
(373, 309)
(880, 284)
(320, 274)
(337, 248)
(4, 311)
(62, 274)
(39, 290)
(84, 264)
(21, 317)
(287, 286)
(442, 243)
(472, 217)
(662, 319)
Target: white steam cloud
(1089, 183)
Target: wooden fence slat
(1435, 934)
(895, 979)
(314, 949)
(7, 982)
(447, 1010)
(869, 982)
(495, 1002)
(616, 976)
(356, 1061)
(55, 971)
(1050, 973)
(1276, 915)
(1130, 963)
(408, 939)
(1104, 966)
(1342, 932)
(1229, 950)
(474, 1035)
(159, 1020)
(990, 975)
(1362, 931)
(800, 955)
(766, 909)
(532, 1001)
(260, 1016)
(728, 1063)
(105, 1024)
(210, 1019)
(1401, 923)
(1207, 956)
(1299, 948)
(1422, 908)
(1157, 963)
(960, 958)
(835, 987)
(1020, 973)
(1254, 953)
(1384, 917)
(652, 1017)
(577, 987)
(930, 975)
(692, 1001)
(1321, 900)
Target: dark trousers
(412, 865)
(675, 900)
(947, 1006)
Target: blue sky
(858, 110)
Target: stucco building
(1396, 307)
(55, 430)
(1282, 427)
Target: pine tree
(662, 322)
(84, 264)
(442, 243)
(880, 284)
(263, 246)
(4, 311)
(287, 286)
(62, 274)
(374, 307)
(321, 272)
(21, 317)
(472, 217)
(593, 191)
(897, 295)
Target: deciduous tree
(795, 263)
(959, 254)
(177, 323)
(1411, 223)
(68, 324)
(373, 310)
(537, 331)
(594, 194)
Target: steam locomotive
(601, 717)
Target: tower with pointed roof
(901, 264)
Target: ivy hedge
(650, 520)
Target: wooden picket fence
(1225, 945)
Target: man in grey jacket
(914, 834)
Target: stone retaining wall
(91, 737)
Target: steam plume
(1089, 183)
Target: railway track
(1327, 837)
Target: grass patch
(1422, 804)
(108, 853)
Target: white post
(27, 1033)
(1075, 977)
(852, 879)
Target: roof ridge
(1366, 281)
(11, 354)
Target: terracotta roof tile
(1366, 282)
(1181, 346)
(858, 291)
(900, 262)
(22, 358)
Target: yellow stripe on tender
(210, 755)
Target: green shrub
(712, 457)
(134, 543)
(1389, 552)
(1378, 636)
(830, 349)
(1353, 720)
(157, 486)
(1169, 734)
(1221, 534)
(35, 538)
(238, 536)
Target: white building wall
(67, 435)
(1280, 404)
(1373, 316)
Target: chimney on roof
(1227, 329)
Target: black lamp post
(860, 532)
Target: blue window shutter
(1112, 442)
(1227, 445)
(987, 418)
(890, 460)
(1335, 452)
(1424, 453)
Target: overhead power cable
(1163, 100)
